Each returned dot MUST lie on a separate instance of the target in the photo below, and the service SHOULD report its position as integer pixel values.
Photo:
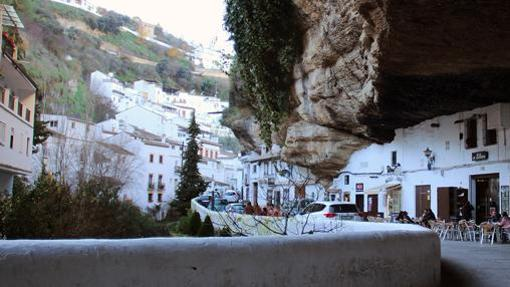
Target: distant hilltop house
(80, 4)
(145, 29)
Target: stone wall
(374, 258)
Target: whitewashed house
(267, 179)
(436, 164)
(17, 108)
(85, 5)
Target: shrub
(194, 224)
(207, 229)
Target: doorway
(372, 202)
(486, 192)
(422, 199)
(449, 201)
(255, 193)
(360, 202)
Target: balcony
(8, 46)
(161, 186)
(150, 186)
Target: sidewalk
(472, 264)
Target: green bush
(49, 209)
(195, 224)
(207, 229)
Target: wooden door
(443, 202)
(360, 202)
(372, 202)
(422, 199)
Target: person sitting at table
(494, 216)
(428, 215)
(504, 225)
(403, 217)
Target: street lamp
(430, 156)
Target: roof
(10, 17)
(209, 142)
(116, 148)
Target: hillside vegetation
(63, 45)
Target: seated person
(505, 226)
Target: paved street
(472, 264)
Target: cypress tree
(207, 229)
(191, 183)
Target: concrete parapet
(372, 258)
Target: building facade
(17, 109)
(267, 179)
(439, 164)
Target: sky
(197, 21)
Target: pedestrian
(248, 209)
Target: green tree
(191, 183)
(195, 224)
(207, 229)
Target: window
(160, 178)
(151, 158)
(160, 197)
(27, 115)
(11, 101)
(73, 125)
(20, 109)
(346, 179)
(11, 141)
(471, 133)
(216, 154)
(314, 207)
(28, 145)
(394, 158)
(53, 124)
(206, 153)
(151, 196)
(3, 92)
(150, 179)
(160, 159)
(254, 168)
(490, 136)
(2, 132)
(447, 145)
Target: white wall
(376, 258)
(453, 165)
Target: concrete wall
(377, 258)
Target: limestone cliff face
(371, 66)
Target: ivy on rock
(267, 43)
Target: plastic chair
(487, 231)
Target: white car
(231, 196)
(331, 210)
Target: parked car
(332, 210)
(235, 208)
(206, 196)
(231, 196)
(296, 206)
(219, 205)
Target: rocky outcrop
(371, 66)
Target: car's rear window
(342, 208)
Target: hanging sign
(479, 156)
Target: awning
(384, 187)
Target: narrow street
(472, 264)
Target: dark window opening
(160, 197)
(490, 136)
(151, 197)
(346, 179)
(160, 159)
(394, 158)
(471, 133)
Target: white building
(436, 164)
(85, 5)
(17, 108)
(267, 179)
